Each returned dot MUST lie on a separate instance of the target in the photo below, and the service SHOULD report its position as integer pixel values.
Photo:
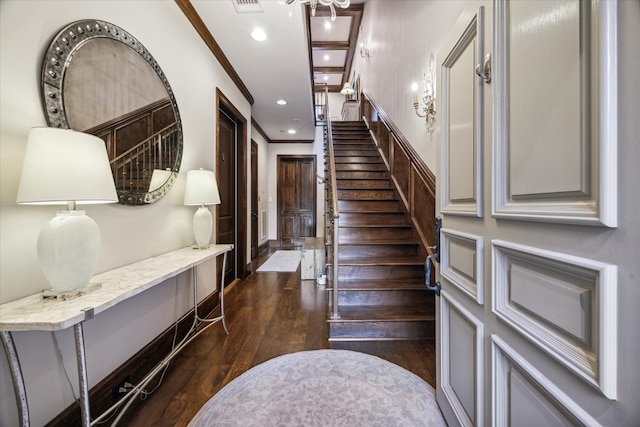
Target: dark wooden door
(254, 200)
(226, 167)
(296, 199)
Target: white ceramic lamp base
(68, 249)
(202, 227)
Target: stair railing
(334, 211)
(135, 165)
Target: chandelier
(314, 3)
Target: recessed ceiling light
(259, 35)
(281, 102)
(291, 131)
(327, 57)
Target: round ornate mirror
(98, 79)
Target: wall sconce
(64, 167)
(426, 105)
(347, 90)
(364, 52)
(201, 189)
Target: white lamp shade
(62, 165)
(201, 188)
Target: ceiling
(285, 65)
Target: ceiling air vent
(247, 6)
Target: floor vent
(247, 6)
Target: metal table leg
(82, 375)
(16, 375)
(224, 266)
(195, 297)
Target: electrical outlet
(121, 388)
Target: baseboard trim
(263, 247)
(136, 368)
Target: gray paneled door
(531, 329)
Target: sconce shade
(347, 89)
(62, 165)
(201, 189)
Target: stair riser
(361, 175)
(369, 205)
(376, 167)
(360, 194)
(368, 233)
(365, 272)
(371, 330)
(346, 251)
(359, 159)
(363, 183)
(351, 139)
(351, 146)
(356, 153)
(347, 218)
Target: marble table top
(33, 313)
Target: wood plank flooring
(268, 315)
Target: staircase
(381, 293)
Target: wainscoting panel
(517, 384)
(462, 262)
(555, 159)
(563, 304)
(461, 336)
(462, 124)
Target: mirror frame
(57, 61)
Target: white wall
(128, 233)
(401, 36)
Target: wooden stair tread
(382, 261)
(385, 211)
(377, 242)
(377, 285)
(382, 313)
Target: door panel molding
(462, 138)
(564, 304)
(514, 376)
(296, 204)
(462, 262)
(577, 185)
(467, 402)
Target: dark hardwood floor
(268, 315)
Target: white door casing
(529, 316)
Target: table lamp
(201, 189)
(65, 167)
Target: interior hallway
(268, 315)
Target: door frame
(254, 201)
(312, 157)
(241, 179)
